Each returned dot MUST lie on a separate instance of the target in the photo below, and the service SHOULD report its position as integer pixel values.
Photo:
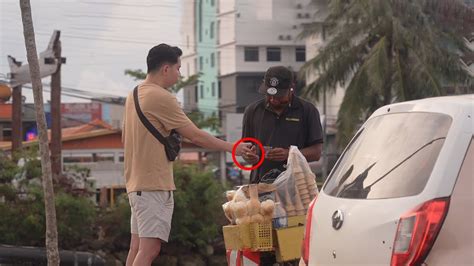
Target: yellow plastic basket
(237, 237)
(261, 236)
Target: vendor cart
(248, 244)
(267, 219)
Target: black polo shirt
(297, 125)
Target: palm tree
(389, 51)
(50, 209)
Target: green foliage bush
(81, 225)
(23, 222)
(22, 207)
(198, 201)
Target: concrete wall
(229, 94)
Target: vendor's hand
(243, 148)
(251, 157)
(278, 154)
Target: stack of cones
(289, 207)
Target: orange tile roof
(92, 129)
(94, 125)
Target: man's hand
(251, 157)
(278, 154)
(243, 148)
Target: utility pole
(51, 236)
(17, 132)
(56, 138)
(20, 74)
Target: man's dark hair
(162, 54)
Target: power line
(120, 102)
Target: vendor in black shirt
(280, 120)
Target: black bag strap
(146, 122)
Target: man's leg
(132, 252)
(153, 218)
(135, 239)
(148, 250)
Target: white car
(402, 192)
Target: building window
(211, 30)
(251, 54)
(213, 60)
(103, 157)
(219, 89)
(201, 91)
(78, 158)
(200, 21)
(121, 157)
(201, 63)
(218, 31)
(273, 54)
(300, 54)
(196, 94)
(212, 3)
(213, 89)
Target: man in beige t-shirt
(148, 173)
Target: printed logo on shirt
(293, 119)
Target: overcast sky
(100, 38)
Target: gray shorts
(151, 213)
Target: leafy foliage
(198, 201)
(23, 217)
(389, 51)
(114, 225)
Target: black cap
(277, 81)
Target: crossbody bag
(172, 143)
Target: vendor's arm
(313, 152)
(314, 139)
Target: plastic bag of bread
(296, 186)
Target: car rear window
(392, 156)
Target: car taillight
(417, 231)
(307, 232)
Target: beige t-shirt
(146, 165)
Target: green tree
(23, 213)
(198, 201)
(8, 169)
(211, 122)
(389, 51)
(114, 225)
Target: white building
(251, 36)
